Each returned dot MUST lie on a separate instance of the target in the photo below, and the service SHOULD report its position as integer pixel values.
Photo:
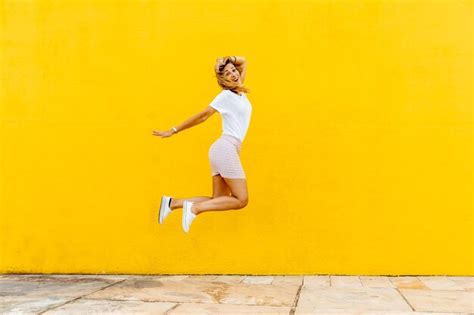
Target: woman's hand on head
(221, 62)
(163, 134)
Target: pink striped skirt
(224, 156)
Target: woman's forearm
(239, 60)
(194, 120)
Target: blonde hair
(229, 85)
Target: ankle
(194, 209)
(173, 204)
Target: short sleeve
(218, 103)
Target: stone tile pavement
(234, 294)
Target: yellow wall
(358, 156)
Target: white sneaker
(188, 216)
(164, 208)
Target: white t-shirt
(235, 110)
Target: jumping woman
(229, 185)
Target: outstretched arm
(190, 122)
(194, 120)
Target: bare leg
(238, 199)
(218, 203)
(178, 203)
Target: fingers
(162, 134)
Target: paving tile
(467, 283)
(163, 290)
(408, 282)
(345, 282)
(377, 313)
(81, 276)
(376, 282)
(212, 309)
(356, 299)
(440, 300)
(258, 279)
(87, 306)
(50, 286)
(229, 279)
(96, 277)
(287, 280)
(260, 294)
(199, 291)
(202, 277)
(439, 283)
(316, 281)
(174, 278)
(34, 293)
(29, 304)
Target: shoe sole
(185, 207)
(162, 209)
(186, 215)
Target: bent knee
(243, 202)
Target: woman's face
(232, 74)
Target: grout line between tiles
(399, 292)
(80, 297)
(297, 298)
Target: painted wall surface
(358, 156)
